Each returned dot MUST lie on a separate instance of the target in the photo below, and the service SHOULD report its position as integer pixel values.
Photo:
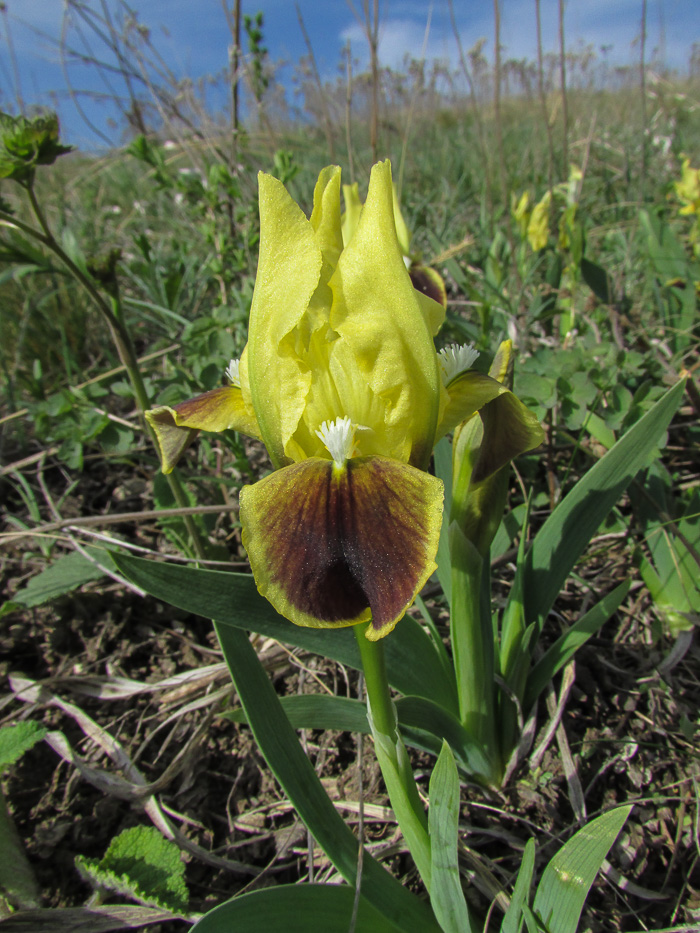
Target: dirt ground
(152, 678)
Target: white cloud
(598, 23)
(397, 39)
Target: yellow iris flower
(688, 188)
(341, 380)
(538, 224)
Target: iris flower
(688, 188)
(538, 224)
(341, 381)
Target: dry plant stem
(128, 784)
(562, 81)
(485, 160)
(412, 107)
(503, 180)
(235, 26)
(106, 375)
(348, 112)
(643, 89)
(120, 335)
(76, 544)
(234, 23)
(556, 713)
(327, 122)
(16, 79)
(142, 516)
(497, 104)
(373, 36)
(543, 100)
(65, 53)
(551, 470)
(370, 23)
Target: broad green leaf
(232, 599)
(598, 280)
(671, 596)
(564, 536)
(17, 739)
(531, 922)
(422, 723)
(568, 877)
(425, 724)
(294, 908)
(508, 530)
(472, 636)
(18, 884)
(284, 755)
(63, 576)
(671, 263)
(446, 893)
(671, 575)
(514, 654)
(318, 711)
(142, 864)
(599, 430)
(512, 921)
(568, 644)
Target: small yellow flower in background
(538, 226)
(520, 209)
(341, 380)
(688, 188)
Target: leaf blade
(567, 879)
(563, 537)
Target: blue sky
(193, 38)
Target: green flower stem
(377, 683)
(472, 649)
(392, 755)
(120, 336)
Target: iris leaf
(232, 599)
(286, 759)
(294, 908)
(564, 536)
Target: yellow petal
(538, 226)
(175, 428)
(402, 234)
(325, 217)
(377, 312)
(289, 270)
(331, 547)
(502, 364)
(353, 209)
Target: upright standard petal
(377, 313)
(289, 271)
(333, 546)
(353, 209)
